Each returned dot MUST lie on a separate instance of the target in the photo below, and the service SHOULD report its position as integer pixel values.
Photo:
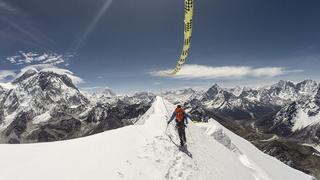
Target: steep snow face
(7, 86)
(302, 120)
(145, 151)
(236, 90)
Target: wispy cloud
(38, 62)
(20, 28)
(194, 71)
(26, 32)
(4, 74)
(31, 58)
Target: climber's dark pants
(182, 135)
(181, 131)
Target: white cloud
(31, 58)
(50, 68)
(194, 71)
(39, 62)
(5, 74)
(20, 28)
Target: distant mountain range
(39, 103)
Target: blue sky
(123, 44)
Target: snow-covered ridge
(49, 68)
(145, 152)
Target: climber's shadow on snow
(184, 149)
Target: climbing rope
(188, 7)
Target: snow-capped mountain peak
(213, 92)
(25, 76)
(49, 86)
(37, 94)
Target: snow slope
(144, 151)
(260, 165)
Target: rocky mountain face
(46, 106)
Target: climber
(181, 120)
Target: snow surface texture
(145, 151)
